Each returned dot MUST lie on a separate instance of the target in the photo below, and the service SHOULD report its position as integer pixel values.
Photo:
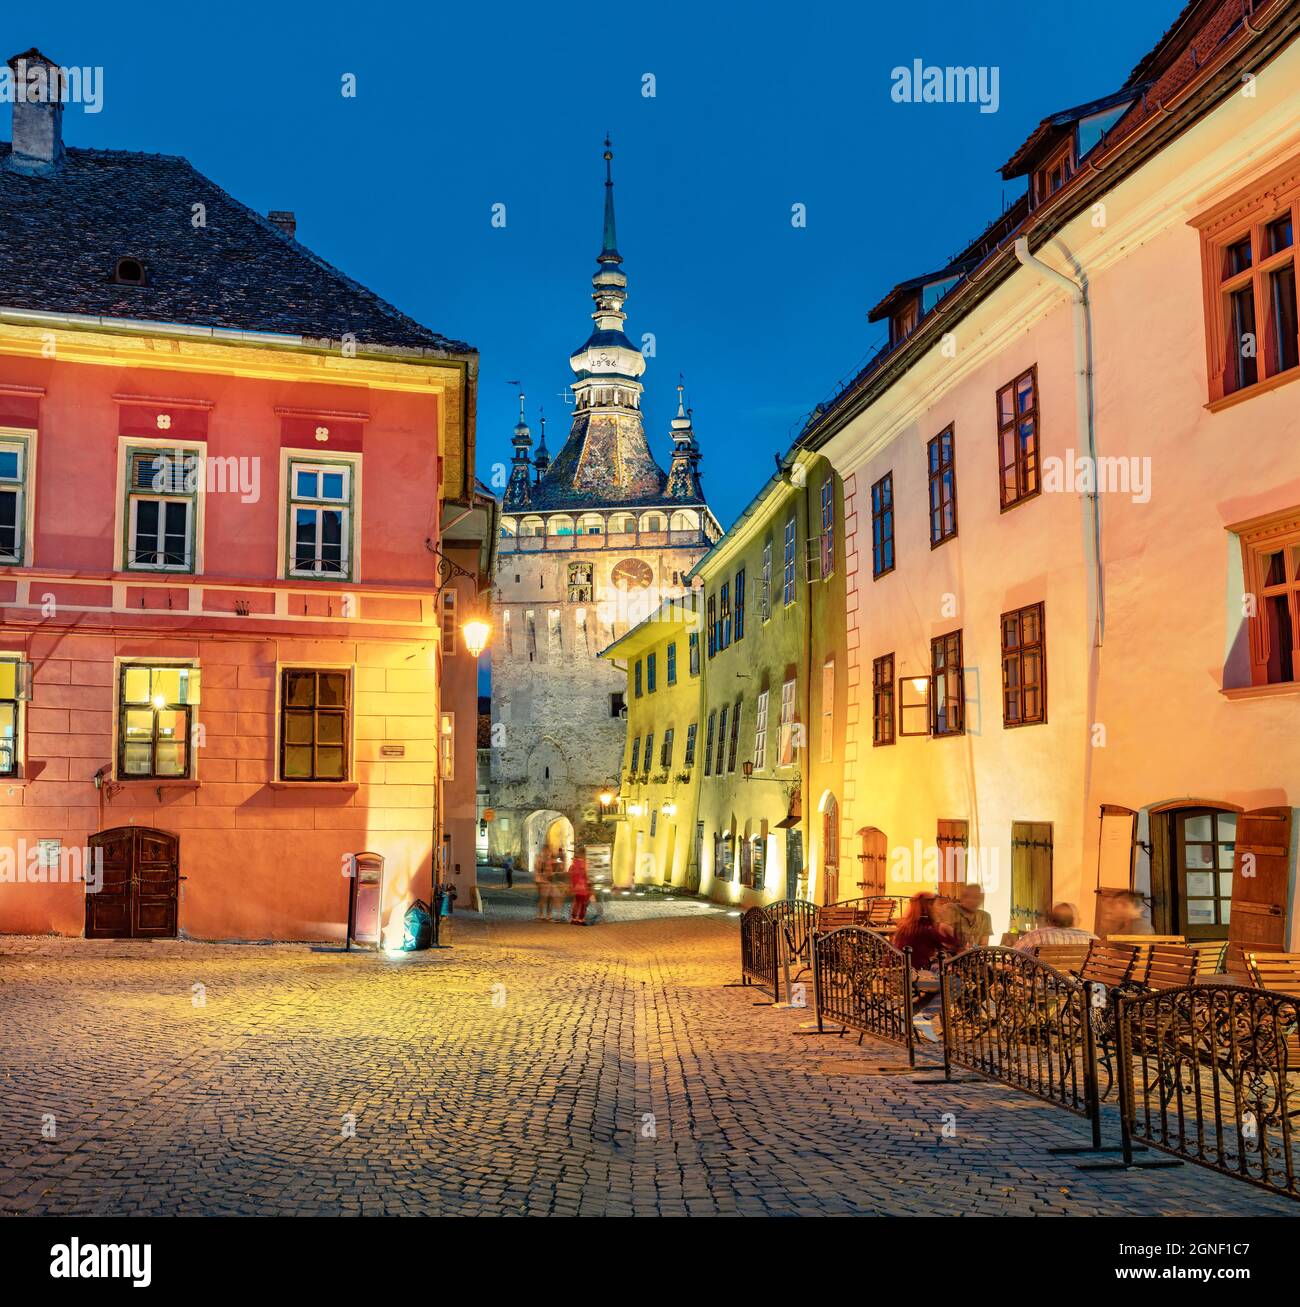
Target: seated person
(927, 938)
(968, 921)
(1059, 930)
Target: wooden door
(1031, 874)
(156, 885)
(1260, 876)
(1203, 861)
(108, 913)
(139, 895)
(951, 840)
(874, 858)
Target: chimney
(38, 114)
(284, 219)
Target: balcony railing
(612, 540)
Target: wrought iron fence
(864, 983)
(1017, 1020)
(1211, 1073)
(758, 952)
(796, 922)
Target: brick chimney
(38, 114)
(284, 219)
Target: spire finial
(681, 396)
(522, 397)
(609, 246)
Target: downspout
(1083, 404)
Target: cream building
(1072, 488)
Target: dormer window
(903, 320)
(1058, 170)
(130, 272)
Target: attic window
(1054, 173)
(130, 272)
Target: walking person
(509, 867)
(580, 887)
(559, 888)
(542, 881)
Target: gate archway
(547, 826)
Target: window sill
(151, 783)
(1257, 388)
(340, 786)
(1276, 691)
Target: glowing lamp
(606, 798)
(476, 632)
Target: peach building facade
(220, 605)
(1067, 687)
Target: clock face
(632, 574)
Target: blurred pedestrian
(560, 888)
(580, 887)
(542, 881)
(509, 867)
(966, 917)
(928, 938)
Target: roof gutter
(1083, 410)
(223, 335)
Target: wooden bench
(835, 915)
(1064, 957)
(1210, 956)
(1109, 963)
(1168, 966)
(1279, 972)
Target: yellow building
(657, 842)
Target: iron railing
(796, 923)
(1211, 1073)
(863, 983)
(1017, 1020)
(758, 952)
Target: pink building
(221, 467)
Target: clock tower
(587, 549)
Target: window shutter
(23, 680)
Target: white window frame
(828, 711)
(299, 460)
(788, 591)
(448, 608)
(760, 732)
(788, 751)
(128, 446)
(24, 443)
(765, 600)
(447, 745)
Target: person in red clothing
(927, 938)
(580, 889)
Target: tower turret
(519, 487)
(684, 471)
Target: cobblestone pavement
(533, 1068)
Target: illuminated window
(154, 720)
(447, 745)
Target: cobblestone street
(533, 1068)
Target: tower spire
(520, 483)
(609, 245)
(684, 470)
(542, 460)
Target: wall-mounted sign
(392, 750)
(47, 853)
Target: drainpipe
(1084, 415)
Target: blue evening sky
(462, 107)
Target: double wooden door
(141, 879)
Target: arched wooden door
(141, 879)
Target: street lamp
(476, 632)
